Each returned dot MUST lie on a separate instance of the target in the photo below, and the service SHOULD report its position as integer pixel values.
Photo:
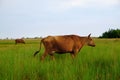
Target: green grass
(99, 63)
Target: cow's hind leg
(44, 55)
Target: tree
(111, 33)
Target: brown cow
(64, 44)
(19, 41)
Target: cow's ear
(89, 35)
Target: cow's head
(90, 42)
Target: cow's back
(65, 43)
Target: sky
(40, 18)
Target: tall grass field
(91, 63)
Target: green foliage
(99, 63)
(111, 33)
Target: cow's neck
(83, 40)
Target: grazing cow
(64, 44)
(19, 41)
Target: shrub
(111, 33)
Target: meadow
(92, 63)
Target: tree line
(111, 33)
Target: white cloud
(39, 6)
(58, 4)
(8, 3)
(67, 4)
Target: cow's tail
(39, 48)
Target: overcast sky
(35, 18)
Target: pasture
(99, 63)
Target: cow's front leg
(72, 55)
(52, 56)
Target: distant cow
(64, 44)
(19, 41)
